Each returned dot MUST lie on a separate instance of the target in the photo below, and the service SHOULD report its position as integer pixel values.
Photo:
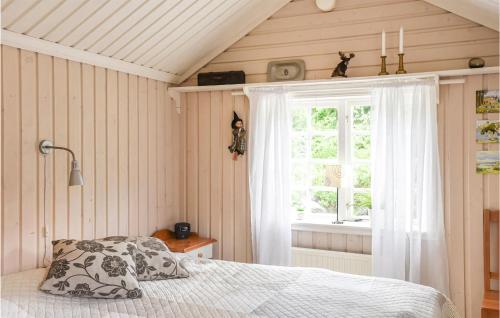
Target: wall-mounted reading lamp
(75, 177)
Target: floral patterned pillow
(99, 269)
(153, 259)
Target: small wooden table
(194, 245)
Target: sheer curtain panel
(269, 175)
(408, 239)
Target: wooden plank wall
(217, 203)
(466, 193)
(122, 130)
(434, 39)
(339, 242)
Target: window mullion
(309, 159)
(343, 157)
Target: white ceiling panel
(162, 39)
(93, 22)
(173, 18)
(48, 22)
(183, 30)
(15, 10)
(108, 24)
(124, 26)
(75, 19)
(39, 11)
(141, 30)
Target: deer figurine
(342, 66)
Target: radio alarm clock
(182, 230)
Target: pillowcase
(153, 259)
(93, 268)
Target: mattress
(229, 289)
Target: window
(327, 134)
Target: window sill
(357, 228)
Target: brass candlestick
(383, 70)
(401, 68)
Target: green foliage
(362, 177)
(324, 118)
(299, 173)
(319, 175)
(362, 203)
(299, 146)
(361, 146)
(327, 200)
(299, 118)
(324, 147)
(361, 117)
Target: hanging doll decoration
(239, 144)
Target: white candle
(383, 43)
(401, 40)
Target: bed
(229, 289)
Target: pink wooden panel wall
(466, 193)
(124, 133)
(216, 187)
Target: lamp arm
(63, 148)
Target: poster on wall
(488, 162)
(487, 101)
(488, 131)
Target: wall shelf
(175, 91)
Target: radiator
(351, 263)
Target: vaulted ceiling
(168, 39)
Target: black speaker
(182, 230)
(221, 78)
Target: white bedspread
(227, 289)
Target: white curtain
(269, 175)
(408, 240)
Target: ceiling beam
(25, 42)
(484, 12)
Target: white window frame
(345, 158)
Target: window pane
(299, 146)
(324, 202)
(361, 117)
(361, 146)
(299, 174)
(298, 200)
(362, 177)
(324, 147)
(299, 118)
(325, 175)
(324, 118)
(362, 203)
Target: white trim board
(25, 42)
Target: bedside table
(194, 245)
